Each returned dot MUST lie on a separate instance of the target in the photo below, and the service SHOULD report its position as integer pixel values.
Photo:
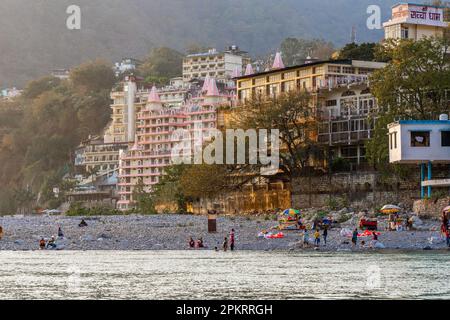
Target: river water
(222, 275)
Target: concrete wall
(245, 202)
(430, 207)
(365, 190)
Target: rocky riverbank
(170, 232)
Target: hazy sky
(34, 38)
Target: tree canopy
(413, 85)
(40, 129)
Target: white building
(214, 64)
(127, 64)
(422, 142)
(419, 141)
(415, 21)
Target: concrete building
(62, 74)
(415, 21)
(125, 65)
(128, 99)
(341, 94)
(157, 134)
(416, 141)
(214, 64)
(422, 142)
(95, 154)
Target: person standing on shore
(60, 233)
(355, 237)
(305, 237)
(317, 238)
(325, 235)
(1, 232)
(232, 240)
(225, 244)
(447, 237)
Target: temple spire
(205, 83)
(249, 70)
(212, 88)
(154, 96)
(278, 62)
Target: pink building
(156, 136)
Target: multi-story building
(94, 155)
(214, 64)
(157, 135)
(128, 99)
(340, 93)
(415, 21)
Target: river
(222, 275)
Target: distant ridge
(34, 39)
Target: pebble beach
(171, 232)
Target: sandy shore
(170, 232)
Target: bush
(340, 164)
(77, 209)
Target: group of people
(51, 243)
(196, 244)
(228, 243)
(316, 235)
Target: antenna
(353, 35)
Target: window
(331, 103)
(405, 33)
(420, 138)
(445, 138)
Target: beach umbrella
(390, 208)
(446, 209)
(291, 212)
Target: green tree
(363, 51)
(413, 85)
(143, 200)
(36, 87)
(293, 114)
(93, 76)
(161, 63)
(169, 188)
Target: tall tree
(354, 51)
(414, 85)
(294, 115)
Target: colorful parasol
(390, 208)
(291, 212)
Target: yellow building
(415, 21)
(340, 93)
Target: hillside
(34, 38)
